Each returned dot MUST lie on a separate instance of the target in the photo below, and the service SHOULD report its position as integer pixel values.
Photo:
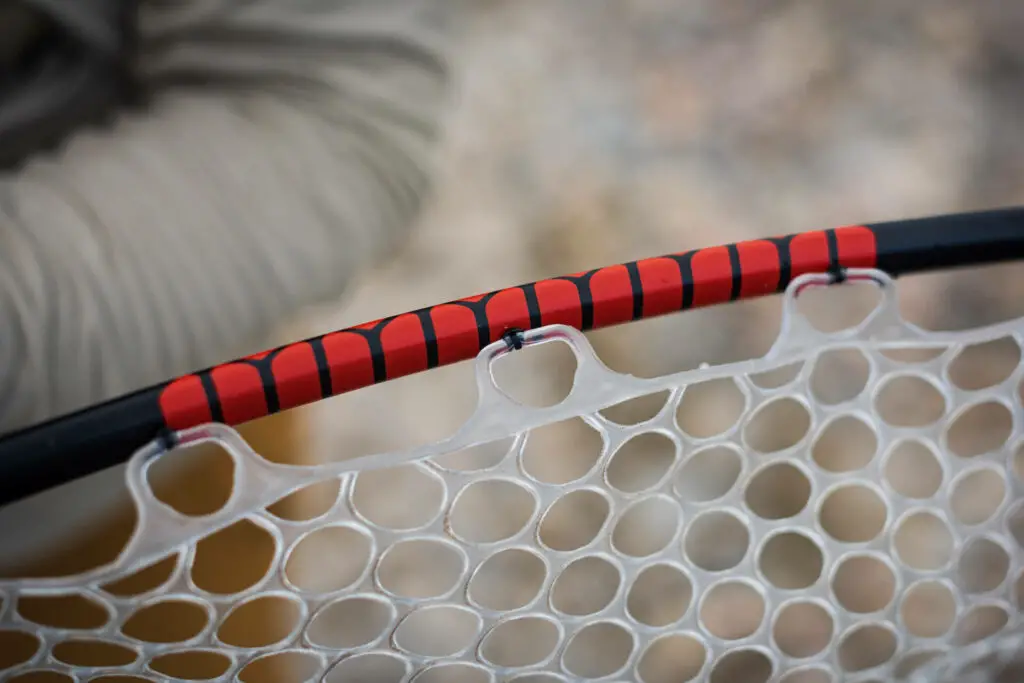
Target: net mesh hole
(675, 658)
(716, 541)
(349, 623)
(491, 510)
(195, 665)
(853, 513)
(742, 666)
(399, 498)
(845, 444)
(641, 462)
(977, 495)
(834, 309)
(979, 366)
(562, 452)
(209, 470)
(477, 458)
(660, 595)
(928, 609)
(709, 474)
(864, 583)
(646, 527)
(93, 653)
(438, 630)
(16, 647)
(166, 621)
(803, 629)
(279, 666)
(586, 586)
(540, 376)
(233, 559)
(909, 401)
(76, 612)
(377, 666)
(144, 580)
(308, 503)
(508, 579)
(981, 428)
(866, 646)
(452, 673)
(791, 560)
(260, 622)
(777, 378)
(520, 642)
(983, 565)
(923, 541)
(808, 674)
(574, 520)
(732, 610)
(710, 408)
(981, 622)
(637, 410)
(778, 491)
(598, 650)
(913, 470)
(421, 568)
(343, 548)
(839, 376)
(777, 425)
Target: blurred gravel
(590, 132)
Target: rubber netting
(747, 522)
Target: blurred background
(592, 133)
(589, 133)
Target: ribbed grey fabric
(290, 142)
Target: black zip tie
(167, 439)
(838, 275)
(513, 338)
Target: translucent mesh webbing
(747, 522)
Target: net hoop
(68, 447)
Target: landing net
(787, 533)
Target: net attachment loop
(884, 323)
(513, 339)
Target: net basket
(751, 525)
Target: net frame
(233, 393)
(715, 275)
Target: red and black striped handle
(306, 371)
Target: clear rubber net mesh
(746, 522)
